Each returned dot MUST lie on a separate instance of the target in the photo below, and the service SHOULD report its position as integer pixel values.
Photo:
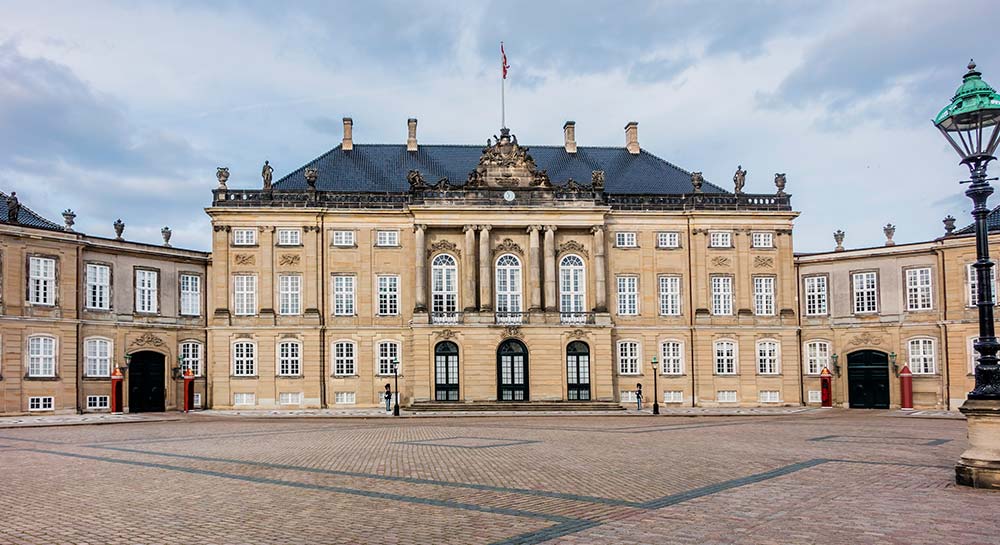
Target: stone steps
(534, 406)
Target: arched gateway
(146, 382)
(512, 371)
(446, 371)
(868, 379)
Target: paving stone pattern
(818, 477)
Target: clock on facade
(508, 196)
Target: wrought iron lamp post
(836, 366)
(971, 124)
(395, 374)
(656, 390)
(892, 361)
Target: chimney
(348, 143)
(411, 134)
(632, 137)
(569, 136)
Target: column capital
(551, 228)
(596, 228)
(470, 227)
(485, 227)
(419, 227)
(534, 228)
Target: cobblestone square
(833, 477)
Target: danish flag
(503, 62)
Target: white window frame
(768, 357)
(245, 294)
(41, 403)
(671, 357)
(190, 286)
(509, 299)
(289, 237)
(722, 294)
(289, 398)
(668, 239)
(42, 280)
(629, 354)
(289, 358)
(385, 351)
(244, 364)
(98, 402)
(762, 239)
(343, 238)
(626, 239)
(670, 295)
(720, 239)
(344, 293)
(628, 295)
(43, 361)
(719, 396)
(289, 294)
(726, 357)
(147, 288)
(386, 238)
(972, 354)
(922, 355)
(763, 396)
(626, 396)
(763, 295)
(864, 292)
(815, 288)
(345, 358)
(973, 282)
(572, 287)
(245, 237)
(444, 288)
(388, 294)
(345, 398)
(817, 356)
(197, 400)
(249, 399)
(98, 353)
(919, 289)
(673, 396)
(98, 286)
(192, 356)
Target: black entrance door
(446, 371)
(145, 382)
(512, 371)
(868, 379)
(578, 371)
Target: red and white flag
(503, 62)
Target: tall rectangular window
(97, 354)
(865, 292)
(42, 280)
(817, 357)
(388, 295)
(762, 240)
(628, 358)
(628, 295)
(725, 358)
(190, 295)
(191, 357)
(722, 295)
(922, 356)
(767, 357)
(289, 359)
(763, 295)
(343, 238)
(668, 239)
(918, 289)
(244, 359)
(672, 358)
(344, 362)
(245, 294)
(146, 291)
(41, 356)
(720, 239)
(974, 284)
(343, 295)
(289, 237)
(815, 288)
(625, 239)
(388, 354)
(98, 286)
(244, 237)
(387, 238)
(289, 294)
(670, 296)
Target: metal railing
(576, 317)
(446, 317)
(508, 318)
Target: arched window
(191, 357)
(767, 357)
(345, 358)
(444, 289)
(97, 353)
(290, 358)
(725, 357)
(41, 356)
(671, 358)
(508, 289)
(244, 359)
(572, 288)
(817, 357)
(388, 356)
(922, 356)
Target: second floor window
(918, 289)
(865, 292)
(762, 240)
(720, 239)
(571, 284)
(388, 295)
(146, 287)
(343, 295)
(628, 358)
(98, 358)
(626, 239)
(725, 358)
(245, 295)
(815, 288)
(98, 286)
(289, 359)
(387, 238)
(670, 295)
(763, 295)
(444, 288)
(671, 355)
(343, 358)
(244, 359)
(922, 356)
(508, 288)
(41, 356)
(817, 357)
(244, 237)
(722, 295)
(343, 238)
(628, 295)
(668, 239)
(190, 295)
(289, 237)
(42, 281)
(767, 357)
(289, 294)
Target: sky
(125, 109)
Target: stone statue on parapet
(266, 173)
(739, 179)
(222, 173)
(779, 182)
(13, 208)
(696, 180)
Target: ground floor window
(197, 400)
(344, 398)
(726, 396)
(770, 396)
(97, 402)
(673, 396)
(41, 403)
(243, 398)
(290, 398)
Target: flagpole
(503, 107)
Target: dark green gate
(868, 379)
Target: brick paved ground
(818, 477)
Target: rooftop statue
(696, 180)
(266, 173)
(739, 179)
(13, 208)
(222, 173)
(779, 182)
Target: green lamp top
(973, 99)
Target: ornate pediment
(508, 246)
(504, 163)
(443, 246)
(574, 247)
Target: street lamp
(656, 391)
(892, 361)
(128, 360)
(395, 374)
(971, 124)
(836, 366)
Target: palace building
(482, 276)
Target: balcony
(576, 318)
(446, 317)
(511, 318)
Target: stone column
(485, 270)
(600, 284)
(220, 295)
(550, 269)
(469, 268)
(315, 272)
(534, 272)
(267, 272)
(420, 265)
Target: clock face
(508, 195)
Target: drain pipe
(321, 240)
(798, 336)
(690, 294)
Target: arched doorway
(512, 371)
(446, 371)
(146, 379)
(578, 371)
(868, 379)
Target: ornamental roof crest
(504, 163)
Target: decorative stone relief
(572, 246)
(512, 331)
(446, 334)
(866, 338)
(721, 261)
(763, 262)
(148, 339)
(244, 259)
(577, 334)
(288, 259)
(443, 246)
(508, 246)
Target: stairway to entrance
(534, 406)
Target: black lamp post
(395, 374)
(656, 391)
(971, 124)
(892, 361)
(836, 366)
(128, 360)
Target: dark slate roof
(383, 168)
(26, 216)
(992, 224)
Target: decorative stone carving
(288, 259)
(69, 218)
(577, 334)
(866, 338)
(512, 331)
(119, 226)
(889, 231)
(949, 225)
(266, 173)
(311, 174)
(760, 262)
(166, 233)
(508, 246)
(148, 339)
(838, 237)
(443, 246)
(504, 163)
(222, 174)
(416, 180)
(442, 185)
(244, 259)
(779, 182)
(13, 207)
(572, 246)
(721, 261)
(446, 334)
(696, 180)
(218, 228)
(739, 179)
(597, 180)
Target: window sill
(299, 245)
(96, 379)
(669, 247)
(146, 314)
(290, 377)
(388, 246)
(674, 375)
(246, 245)
(100, 310)
(344, 246)
(722, 247)
(42, 379)
(388, 376)
(345, 376)
(189, 315)
(387, 315)
(344, 315)
(242, 377)
(626, 247)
